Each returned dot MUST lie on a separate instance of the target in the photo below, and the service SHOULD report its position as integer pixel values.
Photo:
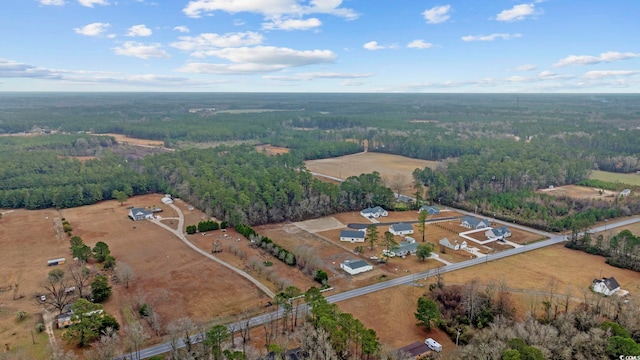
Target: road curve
(408, 279)
(181, 236)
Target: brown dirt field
(168, 273)
(389, 166)
(579, 192)
(272, 150)
(124, 139)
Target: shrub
(321, 276)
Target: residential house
(606, 286)
(352, 236)
(625, 192)
(140, 214)
(453, 246)
(471, 222)
(355, 266)
(401, 229)
(374, 212)
(431, 210)
(407, 247)
(500, 233)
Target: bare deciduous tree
(106, 348)
(125, 274)
(135, 336)
(55, 287)
(81, 276)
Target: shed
(355, 266)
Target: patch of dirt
(272, 150)
(579, 192)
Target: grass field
(392, 168)
(630, 179)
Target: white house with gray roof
(606, 286)
(407, 247)
(471, 222)
(352, 236)
(453, 246)
(140, 214)
(374, 212)
(401, 229)
(500, 233)
(431, 210)
(355, 266)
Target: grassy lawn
(631, 179)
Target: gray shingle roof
(352, 234)
(401, 227)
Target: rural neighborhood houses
(140, 214)
(374, 212)
(353, 236)
(606, 286)
(401, 229)
(407, 247)
(471, 222)
(431, 210)
(500, 233)
(454, 246)
(355, 266)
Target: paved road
(408, 279)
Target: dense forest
(495, 151)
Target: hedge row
(276, 250)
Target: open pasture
(579, 192)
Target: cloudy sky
(320, 45)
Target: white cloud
(526, 67)
(269, 8)
(419, 44)
(12, 69)
(260, 59)
(292, 24)
(52, 2)
(491, 37)
(547, 74)
(518, 12)
(373, 45)
(437, 14)
(182, 29)
(93, 29)
(91, 3)
(139, 30)
(318, 75)
(208, 41)
(599, 74)
(142, 51)
(605, 57)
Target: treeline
(39, 172)
(264, 242)
(622, 250)
(242, 186)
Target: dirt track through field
(181, 236)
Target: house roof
(429, 209)
(415, 349)
(446, 242)
(610, 283)
(352, 234)
(501, 230)
(405, 246)
(474, 221)
(372, 210)
(355, 264)
(401, 227)
(141, 211)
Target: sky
(384, 46)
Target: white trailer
(433, 345)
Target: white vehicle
(433, 345)
(43, 298)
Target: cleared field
(631, 179)
(124, 139)
(272, 150)
(580, 192)
(392, 168)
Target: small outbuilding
(355, 266)
(401, 229)
(352, 236)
